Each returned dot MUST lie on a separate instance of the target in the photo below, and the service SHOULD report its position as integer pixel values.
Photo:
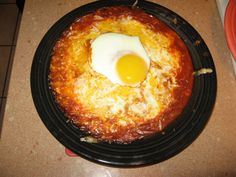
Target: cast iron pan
(157, 148)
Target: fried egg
(121, 58)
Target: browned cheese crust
(70, 65)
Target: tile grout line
(10, 57)
(13, 45)
(2, 111)
(7, 3)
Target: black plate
(162, 146)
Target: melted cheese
(99, 105)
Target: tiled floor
(10, 17)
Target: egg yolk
(131, 69)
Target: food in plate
(121, 74)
